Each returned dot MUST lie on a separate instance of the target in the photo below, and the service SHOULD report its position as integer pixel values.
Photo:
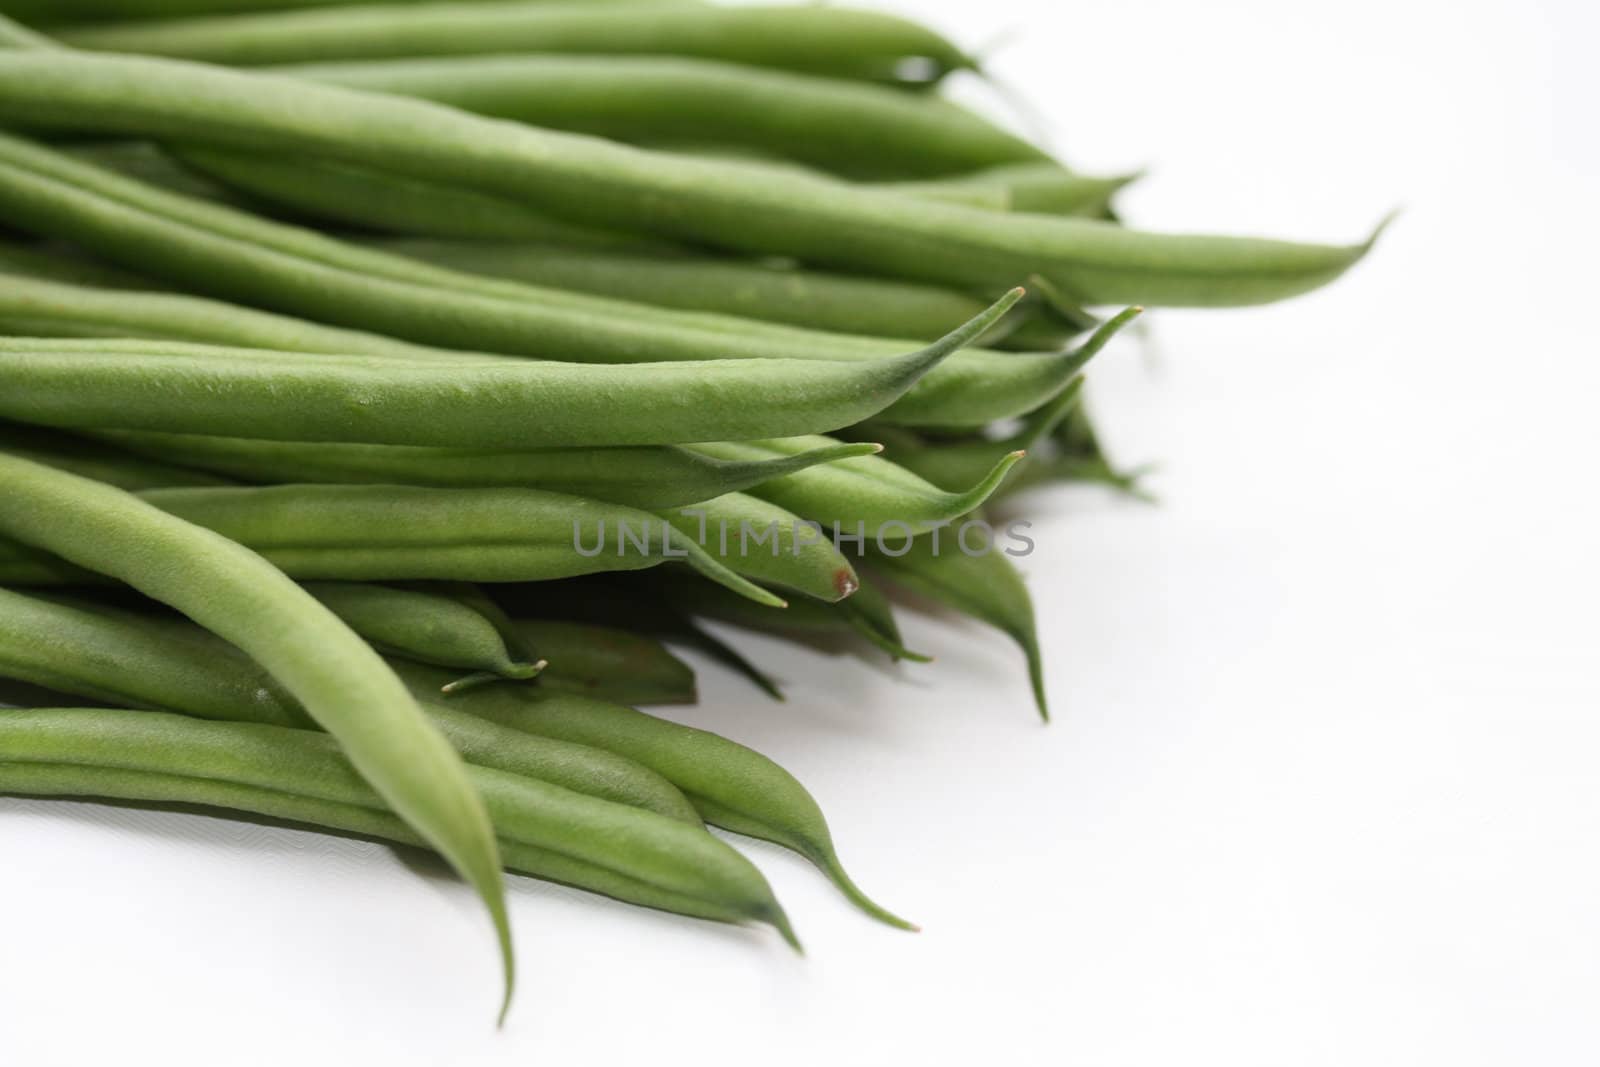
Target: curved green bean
(347, 195)
(427, 626)
(94, 651)
(256, 261)
(44, 11)
(624, 849)
(474, 402)
(851, 128)
(598, 183)
(840, 42)
(648, 477)
(736, 788)
(403, 533)
(239, 596)
(31, 307)
(759, 289)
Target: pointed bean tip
(780, 922)
(1378, 230)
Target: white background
(1322, 785)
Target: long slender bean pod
(321, 532)
(239, 596)
(345, 195)
(91, 10)
(512, 404)
(628, 853)
(760, 289)
(649, 477)
(241, 257)
(94, 651)
(734, 787)
(600, 183)
(855, 129)
(327, 279)
(30, 307)
(426, 626)
(841, 42)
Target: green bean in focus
(236, 594)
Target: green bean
(125, 661)
(356, 196)
(607, 663)
(927, 406)
(89, 10)
(401, 533)
(766, 543)
(760, 289)
(613, 849)
(89, 649)
(984, 585)
(508, 404)
(855, 129)
(427, 626)
(732, 786)
(37, 308)
(1044, 188)
(90, 460)
(649, 477)
(256, 261)
(866, 497)
(953, 465)
(590, 181)
(236, 594)
(836, 41)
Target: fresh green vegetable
(236, 594)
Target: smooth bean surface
(90, 650)
(841, 42)
(428, 626)
(599, 183)
(626, 847)
(851, 128)
(644, 477)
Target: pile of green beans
(382, 424)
